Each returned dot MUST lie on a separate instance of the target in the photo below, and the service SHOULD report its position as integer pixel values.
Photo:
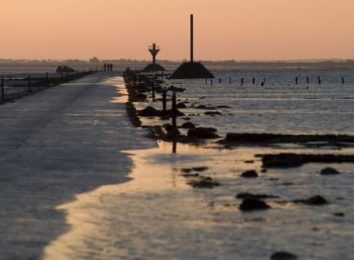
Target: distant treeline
(121, 64)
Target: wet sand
(157, 215)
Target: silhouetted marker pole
(2, 89)
(154, 50)
(46, 77)
(29, 83)
(192, 39)
(343, 81)
(174, 122)
(153, 91)
(164, 94)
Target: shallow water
(280, 106)
(158, 215)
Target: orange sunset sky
(224, 29)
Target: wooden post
(29, 83)
(164, 94)
(174, 122)
(2, 89)
(153, 91)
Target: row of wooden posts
(263, 82)
(173, 112)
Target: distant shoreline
(122, 64)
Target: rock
(282, 255)
(317, 200)
(200, 169)
(202, 133)
(140, 97)
(273, 179)
(246, 195)
(249, 161)
(149, 112)
(187, 125)
(339, 214)
(249, 174)
(264, 170)
(329, 171)
(205, 107)
(212, 113)
(181, 105)
(177, 89)
(169, 129)
(251, 204)
(287, 160)
(196, 169)
(64, 69)
(186, 170)
(204, 183)
(223, 107)
(288, 183)
(169, 113)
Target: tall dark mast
(191, 69)
(192, 39)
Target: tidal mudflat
(211, 200)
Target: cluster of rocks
(203, 182)
(196, 180)
(252, 202)
(287, 160)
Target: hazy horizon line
(178, 61)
